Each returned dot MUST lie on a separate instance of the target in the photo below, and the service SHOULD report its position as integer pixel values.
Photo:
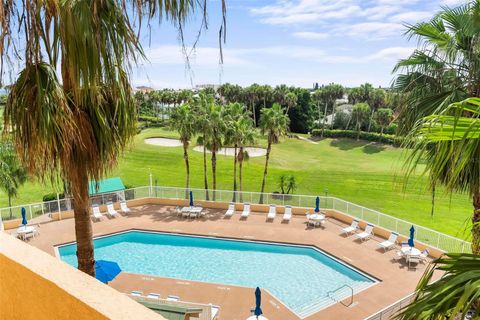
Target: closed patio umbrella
(258, 300)
(191, 199)
(410, 240)
(24, 216)
(317, 204)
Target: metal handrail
(341, 301)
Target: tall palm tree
(245, 137)
(71, 107)
(274, 123)
(290, 101)
(361, 114)
(215, 134)
(238, 132)
(182, 120)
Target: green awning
(105, 186)
(171, 312)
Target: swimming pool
(301, 277)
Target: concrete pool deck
(396, 280)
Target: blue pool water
(301, 277)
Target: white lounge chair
(352, 228)
(215, 310)
(97, 215)
(153, 295)
(178, 210)
(424, 256)
(111, 210)
(173, 298)
(272, 212)
(390, 243)
(231, 210)
(123, 207)
(287, 215)
(137, 293)
(413, 260)
(366, 234)
(246, 210)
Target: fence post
(333, 203)
(30, 209)
(438, 241)
(151, 186)
(348, 211)
(362, 213)
(59, 210)
(396, 225)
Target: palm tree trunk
(240, 172)
(370, 120)
(358, 132)
(235, 174)
(267, 157)
(324, 119)
(83, 225)
(214, 172)
(187, 167)
(10, 206)
(381, 131)
(254, 115)
(476, 224)
(205, 178)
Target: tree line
(307, 109)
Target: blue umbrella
(258, 301)
(191, 199)
(24, 217)
(106, 271)
(410, 241)
(317, 204)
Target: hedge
(352, 134)
(52, 196)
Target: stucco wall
(35, 285)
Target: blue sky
(296, 42)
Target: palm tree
(182, 120)
(290, 101)
(446, 66)
(451, 296)
(361, 114)
(239, 132)
(12, 174)
(274, 123)
(71, 107)
(384, 117)
(450, 149)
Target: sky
(296, 42)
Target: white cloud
(412, 16)
(311, 35)
(371, 30)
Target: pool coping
(374, 279)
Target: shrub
(150, 122)
(341, 120)
(368, 136)
(52, 196)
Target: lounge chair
(123, 207)
(137, 293)
(215, 310)
(413, 260)
(272, 212)
(365, 234)
(97, 215)
(153, 295)
(111, 210)
(173, 298)
(231, 210)
(246, 210)
(390, 243)
(287, 215)
(424, 256)
(352, 228)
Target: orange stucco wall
(35, 285)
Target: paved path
(306, 139)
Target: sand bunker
(252, 152)
(164, 142)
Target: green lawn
(365, 173)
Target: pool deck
(396, 280)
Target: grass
(361, 172)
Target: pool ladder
(329, 293)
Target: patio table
(316, 218)
(24, 230)
(407, 251)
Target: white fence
(422, 234)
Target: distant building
(143, 89)
(206, 86)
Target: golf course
(362, 172)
